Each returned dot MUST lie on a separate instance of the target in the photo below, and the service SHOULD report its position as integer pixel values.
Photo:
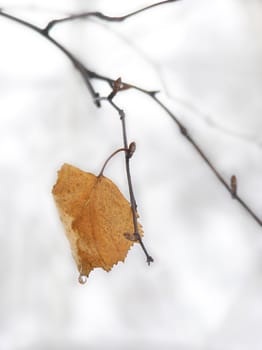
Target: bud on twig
(131, 237)
(116, 87)
(131, 149)
(233, 186)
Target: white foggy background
(204, 290)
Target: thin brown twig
(124, 86)
(101, 16)
(122, 115)
(202, 154)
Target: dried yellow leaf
(96, 216)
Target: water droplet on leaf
(82, 279)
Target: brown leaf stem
(110, 157)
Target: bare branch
(117, 87)
(101, 16)
(202, 154)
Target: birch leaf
(96, 217)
